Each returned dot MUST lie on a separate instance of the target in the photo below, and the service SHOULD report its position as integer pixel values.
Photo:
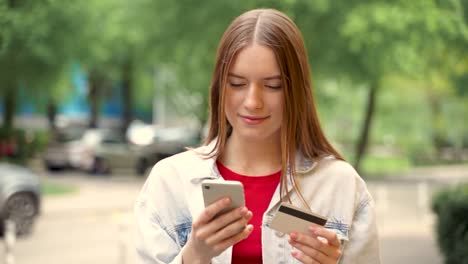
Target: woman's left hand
(320, 245)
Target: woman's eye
(275, 87)
(236, 84)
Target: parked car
(20, 197)
(59, 150)
(101, 150)
(166, 142)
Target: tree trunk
(9, 104)
(12, 3)
(438, 138)
(51, 115)
(367, 125)
(97, 85)
(203, 117)
(127, 94)
(9, 101)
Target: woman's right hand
(212, 234)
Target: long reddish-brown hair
(301, 129)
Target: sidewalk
(438, 174)
(94, 195)
(405, 221)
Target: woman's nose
(254, 97)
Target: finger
(303, 257)
(222, 221)
(228, 231)
(210, 211)
(329, 235)
(221, 246)
(311, 247)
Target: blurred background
(93, 93)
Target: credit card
(289, 218)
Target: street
(91, 226)
(95, 224)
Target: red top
(258, 191)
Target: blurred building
(31, 110)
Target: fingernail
(243, 210)
(312, 229)
(226, 201)
(293, 236)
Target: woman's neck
(253, 158)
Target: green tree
(36, 45)
(379, 38)
(363, 41)
(116, 50)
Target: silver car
(60, 150)
(20, 197)
(101, 150)
(166, 142)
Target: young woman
(264, 132)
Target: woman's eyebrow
(274, 77)
(235, 76)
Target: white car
(59, 150)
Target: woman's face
(254, 95)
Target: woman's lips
(253, 120)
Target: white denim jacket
(172, 197)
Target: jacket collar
(303, 164)
(210, 168)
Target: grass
(375, 166)
(54, 189)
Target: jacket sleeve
(363, 244)
(154, 241)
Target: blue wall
(76, 103)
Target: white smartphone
(213, 190)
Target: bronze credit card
(289, 218)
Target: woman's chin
(254, 136)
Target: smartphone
(213, 190)
(289, 218)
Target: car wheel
(101, 166)
(142, 166)
(21, 209)
(52, 168)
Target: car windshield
(113, 139)
(95, 137)
(69, 135)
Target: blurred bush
(18, 145)
(451, 207)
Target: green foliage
(375, 166)
(415, 49)
(451, 207)
(18, 145)
(339, 107)
(185, 35)
(37, 40)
